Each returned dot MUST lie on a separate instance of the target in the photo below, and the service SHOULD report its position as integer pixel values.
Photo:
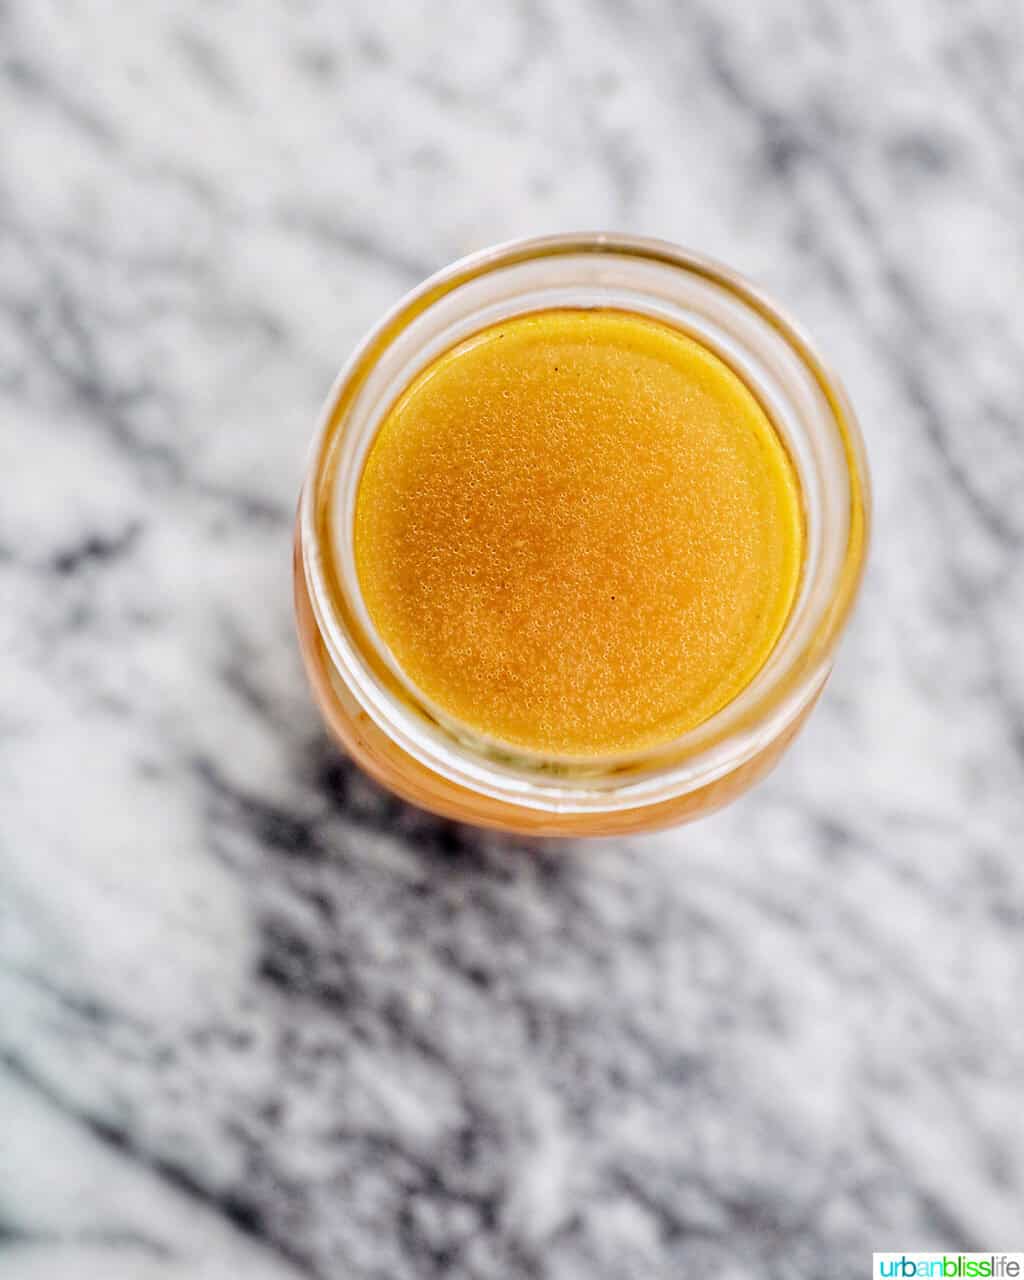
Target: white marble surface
(258, 1019)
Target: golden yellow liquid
(579, 533)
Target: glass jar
(367, 702)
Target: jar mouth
(723, 312)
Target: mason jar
(369, 704)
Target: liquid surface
(578, 533)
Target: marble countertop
(257, 1018)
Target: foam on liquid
(579, 533)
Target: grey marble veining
(257, 1018)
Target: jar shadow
(354, 797)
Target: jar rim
(696, 758)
